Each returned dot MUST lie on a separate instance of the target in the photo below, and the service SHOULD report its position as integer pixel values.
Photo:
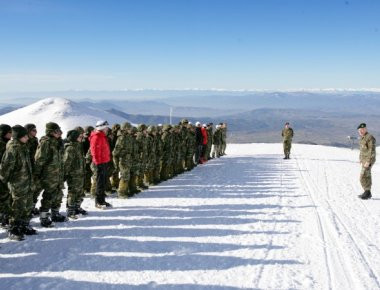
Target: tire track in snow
(319, 222)
(336, 226)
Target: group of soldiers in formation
(92, 161)
(367, 156)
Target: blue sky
(50, 45)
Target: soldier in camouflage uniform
(143, 149)
(74, 168)
(32, 145)
(122, 158)
(16, 171)
(159, 153)
(151, 155)
(5, 197)
(191, 147)
(287, 135)
(166, 152)
(223, 145)
(86, 147)
(367, 159)
(209, 141)
(114, 134)
(49, 172)
(135, 167)
(217, 140)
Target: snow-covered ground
(247, 220)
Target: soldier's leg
(93, 180)
(123, 188)
(87, 180)
(56, 205)
(366, 178)
(20, 212)
(71, 198)
(5, 204)
(49, 192)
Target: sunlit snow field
(247, 220)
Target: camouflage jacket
(217, 138)
(73, 160)
(32, 145)
(122, 153)
(3, 146)
(48, 160)
(16, 167)
(367, 149)
(166, 147)
(287, 134)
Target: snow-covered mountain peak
(66, 113)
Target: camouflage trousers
(87, 178)
(22, 204)
(5, 199)
(75, 191)
(125, 176)
(223, 147)
(51, 197)
(216, 151)
(287, 146)
(366, 178)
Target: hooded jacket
(100, 147)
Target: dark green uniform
(287, 136)
(367, 155)
(74, 168)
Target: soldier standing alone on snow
(287, 135)
(367, 159)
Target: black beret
(362, 125)
(73, 135)
(18, 132)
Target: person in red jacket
(204, 143)
(101, 156)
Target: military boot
(28, 230)
(57, 217)
(132, 186)
(15, 232)
(45, 220)
(71, 212)
(80, 210)
(123, 190)
(93, 189)
(366, 195)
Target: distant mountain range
(317, 117)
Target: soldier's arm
(7, 166)
(68, 158)
(372, 148)
(41, 157)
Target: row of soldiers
(141, 156)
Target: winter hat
(79, 129)
(18, 132)
(73, 135)
(101, 125)
(115, 128)
(30, 127)
(204, 125)
(197, 124)
(52, 127)
(126, 126)
(88, 130)
(362, 125)
(4, 130)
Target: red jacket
(100, 148)
(204, 134)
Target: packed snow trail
(247, 220)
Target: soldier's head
(5, 131)
(20, 133)
(102, 125)
(184, 122)
(126, 127)
(151, 130)
(133, 131)
(362, 129)
(53, 129)
(287, 125)
(32, 130)
(141, 128)
(74, 136)
(115, 128)
(87, 131)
